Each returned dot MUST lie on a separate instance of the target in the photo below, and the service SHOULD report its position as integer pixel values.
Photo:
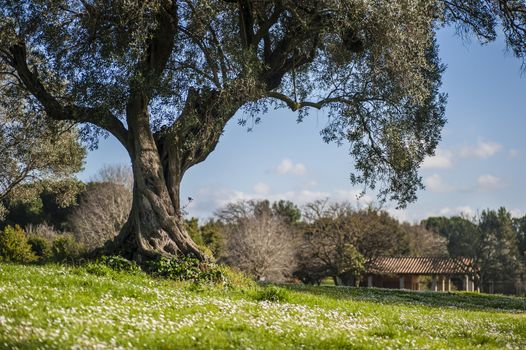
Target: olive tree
(35, 156)
(164, 77)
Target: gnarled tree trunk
(155, 226)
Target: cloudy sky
(480, 163)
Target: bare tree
(103, 209)
(259, 243)
(120, 174)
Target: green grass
(56, 307)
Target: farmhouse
(411, 273)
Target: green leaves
(14, 246)
(373, 66)
(32, 150)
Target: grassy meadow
(58, 307)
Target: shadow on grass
(459, 300)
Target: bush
(102, 211)
(186, 269)
(14, 246)
(118, 263)
(272, 293)
(65, 248)
(41, 247)
(236, 279)
(50, 244)
(97, 269)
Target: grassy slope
(58, 307)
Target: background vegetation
(273, 242)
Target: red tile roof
(420, 265)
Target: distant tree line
(278, 241)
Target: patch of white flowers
(52, 308)
(165, 312)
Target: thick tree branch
(55, 110)
(246, 22)
(152, 66)
(265, 25)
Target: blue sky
(480, 163)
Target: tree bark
(155, 226)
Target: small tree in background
(423, 242)
(103, 207)
(35, 152)
(258, 242)
(328, 246)
(338, 240)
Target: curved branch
(98, 116)
(294, 105)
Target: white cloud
(402, 215)
(288, 167)
(465, 211)
(489, 182)
(210, 199)
(261, 188)
(353, 196)
(443, 159)
(435, 183)
(300, 197)
(483, 150)
(517, 213)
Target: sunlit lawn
(54, 307)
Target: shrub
(118, 263)
(102, 211)
(235, 278)
(272, 293)
(97, 269)
(14, 246)
(41, 247)
(50, 244)
(65, 248)
(186, 269)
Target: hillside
(56, 307)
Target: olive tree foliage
(164, 77)
(32, 151)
